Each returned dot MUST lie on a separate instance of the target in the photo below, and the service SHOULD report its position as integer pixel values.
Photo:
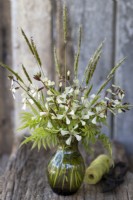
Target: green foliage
(26, 74)
(41, 137)
(72, 112)
(65, 23)
(106, 142)
(90, 136)
(12, 71)
(76, 61)
(56, 62)
(90, 69)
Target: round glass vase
(66, 169)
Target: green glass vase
(66, 169)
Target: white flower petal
(63, 132)
(24, 106)
(13, 90)
(75, 127)
(94, 120)
(49, 92)
(102, 115)
(92, 96)
(68, 141)
(83, 122)
(116, 102)
(78, 137)
(71, 113)
(46, 106)
(31, 101)
(107, 98)
(49, 125)
(90, 113)
(67, 120)
(60, 116)
(42, 113)
(119, 111)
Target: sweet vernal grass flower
(66, 109)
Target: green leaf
(76, 61)
(36, 52)
(12, 71)
(56, 62)
(90, 69)
(65, 23)
(27, 41)
(26, 74)
(87, 91)
(106, 143)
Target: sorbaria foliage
(66, 109)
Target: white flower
(83, 122)
(60, 116)
(49, 125)
(60, 84)
(67, 120)
(107, 98)
(94, 120)
(68, 73)
(63, 132)
(92, 96)
(121, 95)
(31, 101)
(87, 116)
(24, 106)
(71, 113)
(78, 137)
(116, 102)
(68, 141)
(102, 115)
(43, 113)
(50, 83)
(13, 89)
(76, 91)
(119, 110)
(49, 92)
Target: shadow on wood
(25, 178)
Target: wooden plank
(6, 105)
(124, 77)
(97, 23)
(25, 178)
(35, 19)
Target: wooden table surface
(25, 179)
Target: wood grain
(124, 76)
(6, 103)
(35, 18)
(25, 179)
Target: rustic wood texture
(6, 104)
(124, 77)
(34, 17)
(25, 179)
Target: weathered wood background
(111, 20)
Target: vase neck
(73, 146)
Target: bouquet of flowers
(67, 108)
